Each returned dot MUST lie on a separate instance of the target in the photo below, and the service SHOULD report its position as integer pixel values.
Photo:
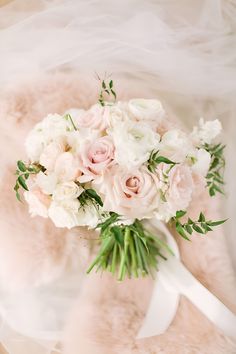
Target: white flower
(133, 143)
(50, 128)
(146, 109)
(206, 132)
(47, 183)
(67, 190)
(116, 114)
(66, 167)
(65, 214)
(69, 213)
(202, 164)
(50, 153)
(38, 203)
(88, 216)
(175, 145)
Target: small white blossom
(206, 132)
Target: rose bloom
(50, 154)
(38, 202)
(133, 194)
(94, 118)
(67, 167)
(146, 109)
(67, 190)
(178, 193)
(95, 157)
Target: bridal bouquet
(114, 165)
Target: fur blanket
(107, 314)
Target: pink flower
(67, 167)
(94, 118)
(178, 193)
(95, 157)
(133, 194)
(38, 202)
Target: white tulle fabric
(185, 49)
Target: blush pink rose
(95, 157)
(178, 191)
(94, 118)
(38, 202)
(67, 167)
(133, 194)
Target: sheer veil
(183, 51)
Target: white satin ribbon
(174, 279)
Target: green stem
(122, 269)
(133, 257)
(105, 247)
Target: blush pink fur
(108, 314)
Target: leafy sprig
(23, 172)
(127, 250)
(106, 89)
(90, 196)
(155, 160)
(201, 225)
(215, 180)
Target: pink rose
(67, 167)
(95, 157)
(178, 192)
(38, 202)
(94, 118)
(50, 154)
(133, 194)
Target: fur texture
(108, 314)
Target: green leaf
(114, 94)
(201, 217)
(118, 234)
(93, 194)
(21, 181)
(21, 166)
(180, 230)
(197, 229)
(188, 229)
(111, 84)
(180, 213)
(103, 84)
(161, 159)
(216, 223)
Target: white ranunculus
(206, 132)
(175, 145)
(133, 142)
(67, 190)
(202, 164)
(146, 109)
(65, 214)
(47, 183)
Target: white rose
(66, 167)
(38, 203)
(206, 132)
(133, 142)
(64, 214)
(202, 164)
(146, 109)
(55, 125)
(35, 143)
(50, 153)
(67, 190)
(175, 145)
(117, 113)
(47, 183)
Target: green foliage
(201, 226)
(90, 195)
(156, 159)
(106, 89)
(215, 180)
(127, 250)
(23, 172)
